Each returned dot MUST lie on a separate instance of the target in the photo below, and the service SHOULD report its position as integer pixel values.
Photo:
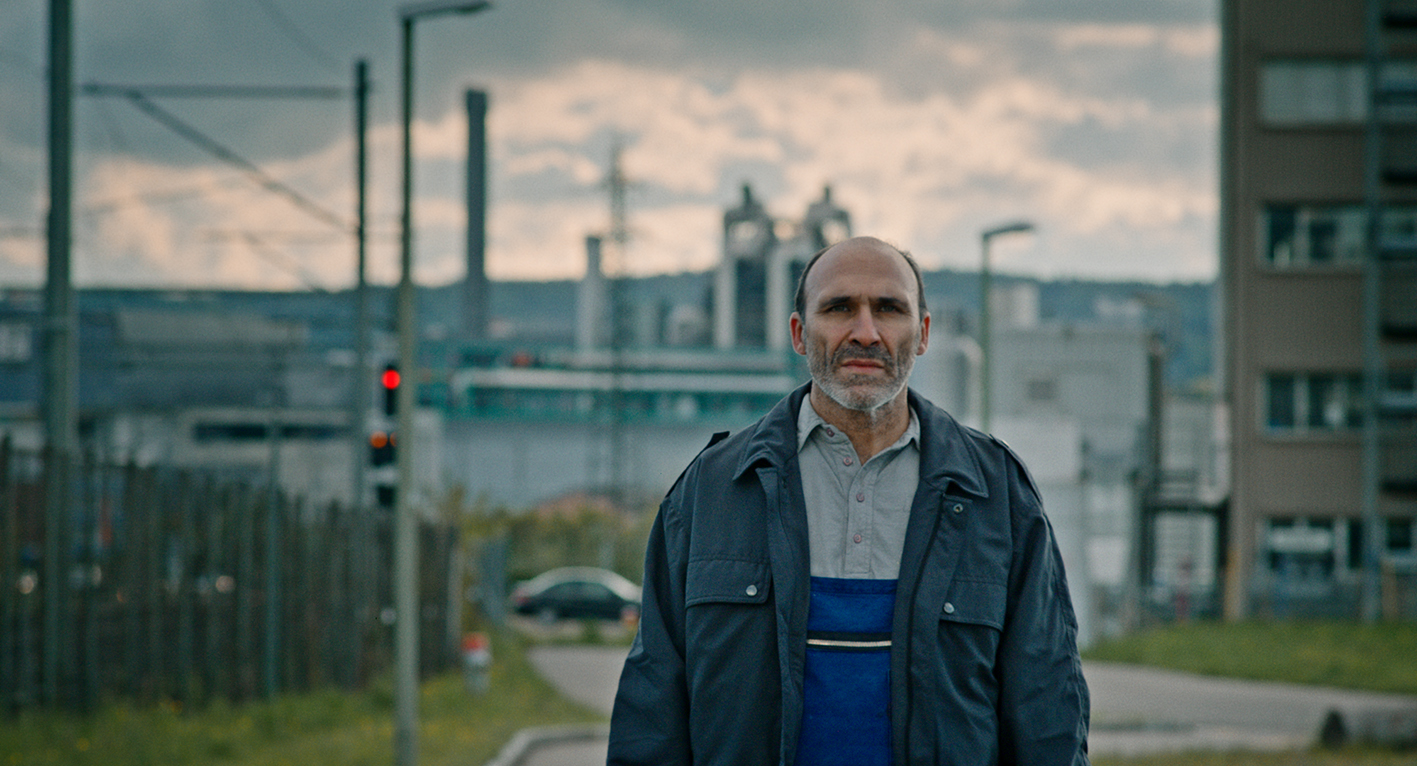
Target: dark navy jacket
(984, 663)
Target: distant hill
(1181, 312)
(544, 313)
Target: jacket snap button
(958, 508)
(949, 608)
(752, 590)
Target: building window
(1301, 93)
(1313, 92)
(1313, 402)
(1302, 236)
(1400, 396)
(16, 342)
(1302, 549)
(1399, 536)
(209, 432)
(1399, 540)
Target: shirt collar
(809, 421)
(949, 452)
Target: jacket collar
(946, 455)
(774, 438)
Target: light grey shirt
(856, 514)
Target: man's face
(863, 327)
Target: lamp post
(405, 525)
(985, 283)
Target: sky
(931, 121)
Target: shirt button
(847, 461)
(751, 590)
(949, 608)
(831, 431)
(856, 538)
(860, 497)
(958, 508)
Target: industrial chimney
(475, 294)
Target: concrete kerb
(525, 741)
(1392, 728)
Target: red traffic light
(390, 381)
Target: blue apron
(846, 684)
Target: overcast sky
(930, 120)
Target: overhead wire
(295, 34)
(278, 259)
(144, 104)
(227, 155)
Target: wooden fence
(188, 587)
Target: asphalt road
(1135, 710)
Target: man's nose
(864, 330)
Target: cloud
(926, 170)
(141, 222)
(929, 121)
(542, 240)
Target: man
(856, 579)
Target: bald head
(799, 303)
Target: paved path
(585, 674)
(1135, 710)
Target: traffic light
(390, 381)
(381, 448)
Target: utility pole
(275, 424)
(619, 238)
(362, 549)
(60, 359)
(406, 551)
(406, 603)
(986, 238)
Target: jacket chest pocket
(727, 581)
(973, 602)
(730, 628)
(971, 626)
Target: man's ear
(795, 323)
(924, 334)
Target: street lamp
(985, 238)
(405, 525)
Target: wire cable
(296, 36)
(221, 152)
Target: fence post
(9, 581)
(153, 602)
(271, 636)
(338, 653)
(126, 574)
(245, 529)
(184, 591)
(217, 501)
(89, 671)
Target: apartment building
(1318, 239)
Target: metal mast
(619, 324)
(60, 355)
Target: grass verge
(1376, 657)
(326, 727)
(1302, 758)
(1349, 655)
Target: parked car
(575, 592)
